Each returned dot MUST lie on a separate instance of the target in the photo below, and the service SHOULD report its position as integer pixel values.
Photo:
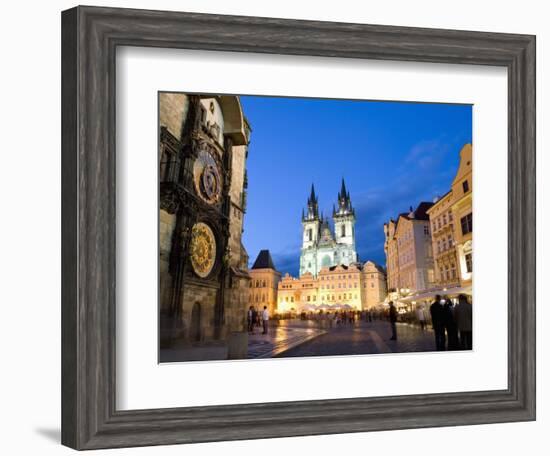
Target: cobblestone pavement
(281, 337)
(364, 338)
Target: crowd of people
(452, 323)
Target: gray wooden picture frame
(90, 36)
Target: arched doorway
(195, 327)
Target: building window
(465, 186)
(343, 230)
(468, 258)
(426, 230)
(309, 234)
(466, 224)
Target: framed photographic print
(267, 222)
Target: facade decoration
(202, 249)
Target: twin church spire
(322, 247)
(344, 205)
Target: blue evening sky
(392, 155)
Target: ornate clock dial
(202, 249)
(207, 177)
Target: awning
(430, 294)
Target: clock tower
(203, 265)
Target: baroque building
(354, 287)
(203, 277)
(461, 201)
(451, 224)
(429, 250)
(320, 246)
(443, 242)
(264, 282)
(409, 256)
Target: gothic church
(320, 246)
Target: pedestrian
(265, 318)
(250, 319)
(450, 326)
(254, 319)
(421, 316)
(438, 323)
(393, 321)
(463, 319)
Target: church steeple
(344, 202)
(312, 206)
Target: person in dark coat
(250, 319)
(254, 318)
(450, 326)
(438, 322)
(463, 319)
(393, 321)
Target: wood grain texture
(89, 39)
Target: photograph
(300, 227)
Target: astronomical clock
(195, 181)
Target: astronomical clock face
(202, 249)
(207, 177)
